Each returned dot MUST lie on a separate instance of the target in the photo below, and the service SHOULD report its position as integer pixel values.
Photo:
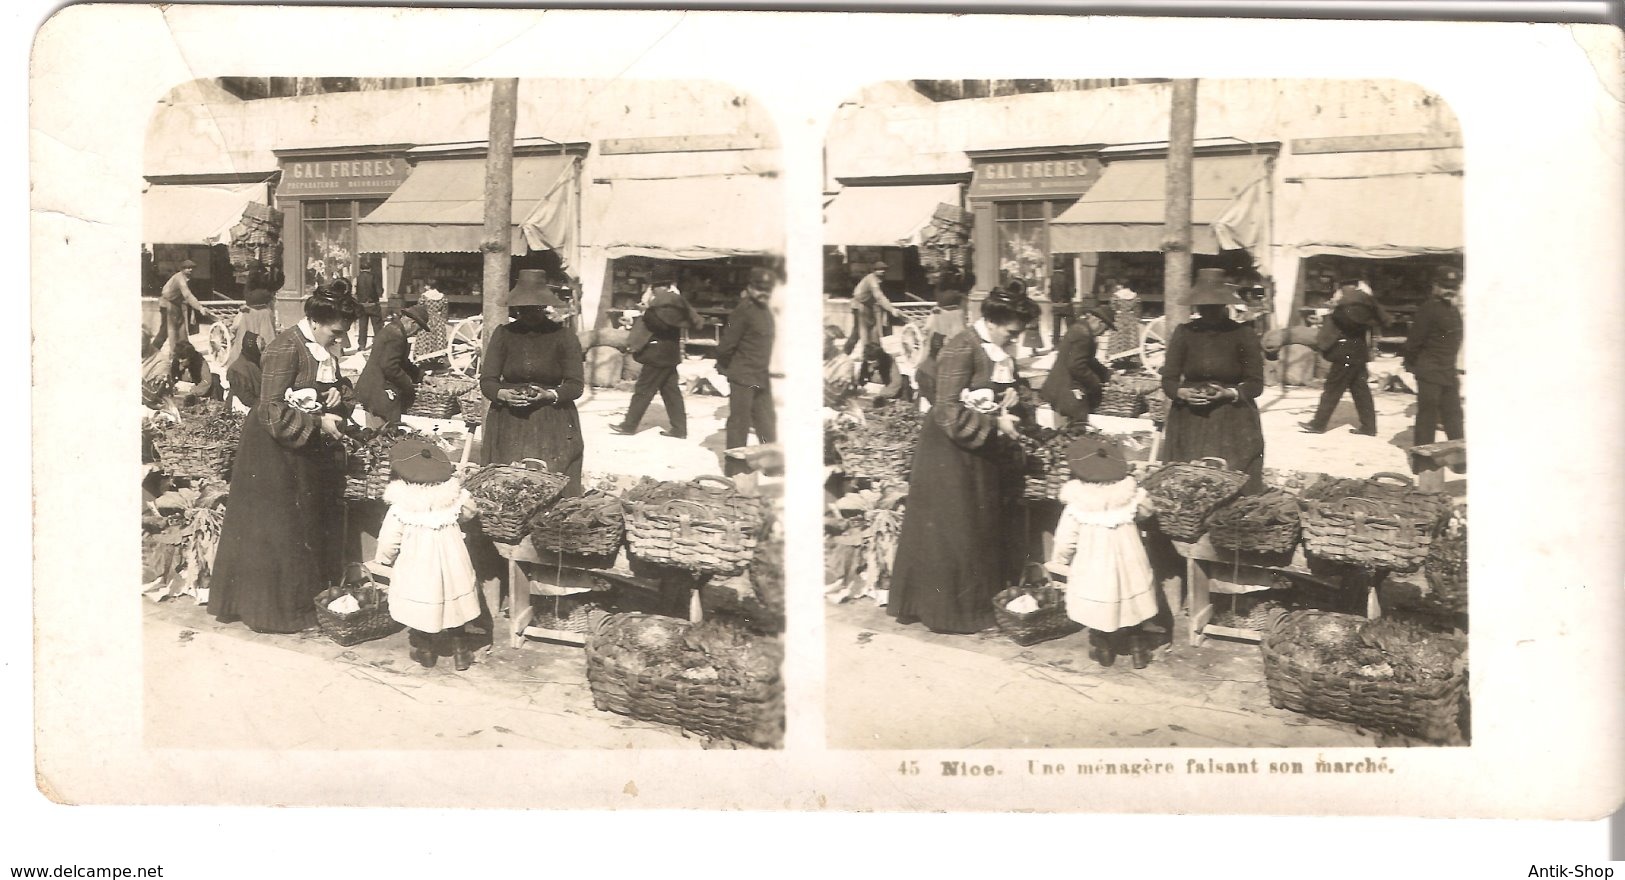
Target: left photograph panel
(460, 415)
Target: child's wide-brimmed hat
(1096, 460)
(418, 461)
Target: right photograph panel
(1143, 415)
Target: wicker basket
(752, 713)
(1365, 532)
(437, 397)
(367, 469)
(473, 406)
(189, 450)
(1121, 399)
(1427, 709)
(588, 525)
(1396, 490)
(1156, 406)
(509, 496)
(1446, 573)
(1264, 523)
(1184, 495)
(372, 621)
(703, 525)
(1030, 628)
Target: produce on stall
(1265, 523)
(1185, 494)
(202, 444)
(508, 496)
(705, 525)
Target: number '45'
(909, 768)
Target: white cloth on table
(432, 585)
(1097, 546)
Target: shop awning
(440, 208)
(196, 213)
(1126, 208)
(884, 216)
(693, 218)
(1391, 216)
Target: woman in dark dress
(959, 544)
(280, 544)
(1213, 375)
(531, 371)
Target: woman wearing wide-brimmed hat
(532, 373)
(1213, 375)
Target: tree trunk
(1176, 281)
(498, 235)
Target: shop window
(329, 242)
(1022, 244)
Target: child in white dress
(432, 589)
(1099, 555)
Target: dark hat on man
(878, 264)
(418, 313)
(1447, 277)
(533, 290)
(1096, 460)
(952, 298)
(662, 278)
(258, 296)
(188, 264)
(418, 461)
(1210, 289)
(760, 277)
(1104, 314)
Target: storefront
(917, 226)
(1117, 230)
(429, 231)
(323, 195)
(1015, 196)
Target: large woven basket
(704, 525)
(372, 621)
(474, 406)
(1185, 494)
(437, 397)
(367, 469)
(508, 496)
(203, 446)
(1365, 532)
(752, 713)
(1427, 709)
(1121, 399)
(588, 525)
(1398, 491)
(1265, 523)
(1446, 573)
(1030, 628)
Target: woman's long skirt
(1231, 431)
(960, 543)
(281, 542)
(550, 433)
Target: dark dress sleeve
(1252, 364)
(279, 369)
(491, 363)
(573, 378)
(955, 366)
(1173, 362)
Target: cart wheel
(464, 340)
(1153, 344)
(913, 340)
(219, 341)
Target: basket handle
(533, 464)
(1223, 464)
(356, 574)
(1390, 475)
(712, 478)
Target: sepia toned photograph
(1144, 420)
(405, 479)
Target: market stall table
(531, 574)
(1208, 567)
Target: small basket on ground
(1185, 494)
(1265, 523)
(437, 397)
(1365, 532)
(370, 621)
(473, 405)
(1383, 674)
(705, 525)
(1049, 621)
(508, 496)
(593, 524)
(706, 678)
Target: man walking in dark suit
(743, 356)
(656, 342)
(1430, 354)
(368, 292)
(1346, 345)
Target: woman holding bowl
(532, 373)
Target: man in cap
(656, 342)
(1430, 353)
(743, 356)
(173, 301)
(1073, 386)
(871, 314)
(389, 381)
(1344, 340)
(368, 293)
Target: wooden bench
(1429, 462)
